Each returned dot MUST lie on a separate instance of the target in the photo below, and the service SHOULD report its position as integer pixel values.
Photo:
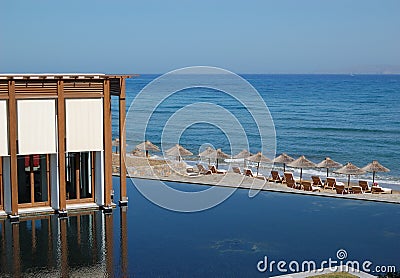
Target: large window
(79, 175)
(33, 179)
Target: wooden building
(56, 141)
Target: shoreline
(231, 180)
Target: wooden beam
(61, 145)
(122, 143)
(12, 121)
(78, 176)
(107, 144)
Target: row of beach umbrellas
(302, 162)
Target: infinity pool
(225, 241)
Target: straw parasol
(214, 154)
(283, 159)
(147, 146)
(115, 143)
(178, 151)
(259, 157)
(219, 154)
(137, 152)
(350, 169)
(328, 163)
(374, 167)
(207, 153)
(302, 162)
(243, 154)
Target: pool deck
(233, 180)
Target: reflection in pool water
(226, 241)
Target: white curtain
(36, 126)
(3, 129)
(84, 124)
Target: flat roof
(63, 76)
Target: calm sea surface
(348, 118)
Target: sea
(349, 118)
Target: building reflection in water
(82, 244)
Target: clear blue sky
(282, 36)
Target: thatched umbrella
(283, 159)
(259, 157)
(137, 152)
(328, 163)
(178, 151)
(214, 154)
(147, 146)
(207, 153)
(243, 154)
(302, 162)
(374, 167)
(219, 154)
(115, 143)
(350, 169)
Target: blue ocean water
(352, 118)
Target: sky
(254, 36)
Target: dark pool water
(225, 241)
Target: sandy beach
(174, 171)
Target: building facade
(56, 141)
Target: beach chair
(380, 190)
(365, 186)
(307, 186)
(340, 189)
(203, 170)
(317, 181)
(331, 183)
(190, 171)
(214, 170)
(237, 170)
(249, 173)
(275, 177)
(290, 181)
(356, 189)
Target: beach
(174, 171)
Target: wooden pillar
(12, 118)
(61, 145)
(122, 143)
(107, 144)
(78, 175)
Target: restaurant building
(56, 142)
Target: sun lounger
(365, 186)
(190, 171)
(249, 173)
(290, 181)
(214, 170)
(275, 177)
(380, 190)
(317, 181)
(340, 189)
(307, 186)
(331, 183)
(203, 170)
(356, 189)
(237, 170)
